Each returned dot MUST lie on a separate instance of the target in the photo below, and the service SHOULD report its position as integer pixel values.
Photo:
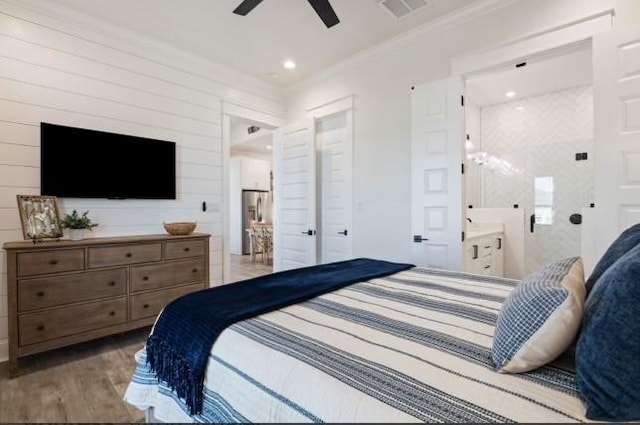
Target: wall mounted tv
(81, 163)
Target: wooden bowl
(180, 228)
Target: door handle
(532, 222)
(309, 232)
(499, 243)
(419, 238)
(343, 233)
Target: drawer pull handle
(112, 283)
(129, 255)
(145, 306)
(487, 267)
(194, 270)
(186, 249)
(145, 278)
(40, 294)
(40, 327)
(112, 313)
(53, 262)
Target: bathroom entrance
(529, 155)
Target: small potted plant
(77, 224)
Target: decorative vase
(76, 234)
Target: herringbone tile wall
(539, 137)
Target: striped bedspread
(413, 346)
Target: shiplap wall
(60, 69)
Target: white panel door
(436, 161)
(294, 197)
(616, 62)
(335, 186)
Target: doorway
(248, 192)
(529, 150)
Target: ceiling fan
(322, 8)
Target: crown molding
(441, 24)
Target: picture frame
(39, 217)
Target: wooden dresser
(65, 292)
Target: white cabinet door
(436, 161)
(294, 170)
(255, 174)
(472, 259)
(616, 64)
(497, 255)
(335, 163)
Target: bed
(412, 346)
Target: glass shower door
(560, 186)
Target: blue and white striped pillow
(540, 318)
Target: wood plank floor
(81, 383)
(243, 268)
(86, 382)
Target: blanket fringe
(173, 369)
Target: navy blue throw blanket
(179, 347)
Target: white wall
(102, 78)
(381, 81)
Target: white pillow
(540, 318)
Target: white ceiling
(275, 30)
(538, 77)
(243, 143)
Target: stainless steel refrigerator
(256, 208)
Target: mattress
(413, 346)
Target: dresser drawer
(149, 304)
(124, 254)
(52, 291)
(45, 326)
(183, 249)
(173, 273)
(54, 261)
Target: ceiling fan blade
(246, 6)
(325, 12)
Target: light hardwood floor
(86, 382)
(243, 268)
(81, 383)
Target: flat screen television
(81, 163)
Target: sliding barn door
(294, 177)
(616, 62)
(436, 162)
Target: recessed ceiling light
(510, 94)
(289, 64)
(520, 108)
(268, 147)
